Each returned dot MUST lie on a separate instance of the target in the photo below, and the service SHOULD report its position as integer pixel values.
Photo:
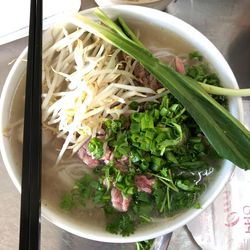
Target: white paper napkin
(225, 225)
(14, 16)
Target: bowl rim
(192, 213)
(130, 2)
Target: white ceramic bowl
(175, 28)
(156, 4)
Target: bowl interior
(168, 31)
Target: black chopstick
(31, 164)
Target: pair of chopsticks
(31, 165)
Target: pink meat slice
(86, 157)
(124, 160)
(119, 201)
(145, 78)
(108, 156)
(179, 65)
(144, 184)
(122, 164)
(101, 134)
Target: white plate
(14, 16)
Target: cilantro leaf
(196, 55)
(122, 224)
(95, 147)
(67, 202)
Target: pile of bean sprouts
(86, 81)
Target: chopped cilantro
(121, 146)
(95, 147)
(122, 224)
(134, 105)
(67, 202)
(113, 125)
(196, 56)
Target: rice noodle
(69, 171)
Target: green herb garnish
(160, 142)
(146, 142)
(95, 147)
(227, 135)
